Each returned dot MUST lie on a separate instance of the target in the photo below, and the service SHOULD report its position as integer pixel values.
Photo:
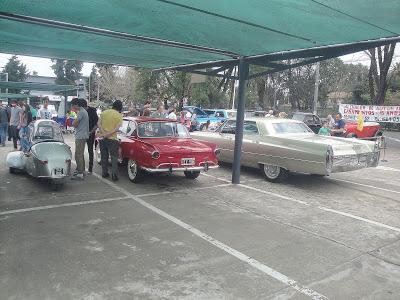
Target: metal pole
(243, 76)
(7, 81)
(234, 87)
(89, 88)
(65, 109)
(316, 86)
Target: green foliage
(16, 71)
(92, 84)
(67, 71)
(148, 85)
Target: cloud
(40, 65)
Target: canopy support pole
(243, 77)
(65, 109)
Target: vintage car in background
(48, 157)
(149, 145)
(222, 114)
(311, 120)
(279, 146)
(199, 118)
(371, 130)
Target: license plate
(187, 161)
(58, 171)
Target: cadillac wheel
(274, 173)
(135, 174)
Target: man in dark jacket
(3, 125)
(93, 119)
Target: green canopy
(162, 33)
(13, 96)
(35, 86)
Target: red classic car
(149, 145)
(370, 130)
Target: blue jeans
(3, 133)
(23, 135)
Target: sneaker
(105, 175)
(78, 176)
(114, 177)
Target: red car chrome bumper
(174, 167)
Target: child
(324, 130)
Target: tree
(67, 71)
(116, 83)
(381, 59)
(16, 71)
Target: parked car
(311, 120)
(279, 146)
(149, 145)
(48, 157)
(370, 130)
(200, 118)
(222, 114)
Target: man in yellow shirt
(109, 123)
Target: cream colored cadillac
(279, 146)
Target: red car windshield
(162, 129)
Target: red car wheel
(135, 174)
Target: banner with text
(372, 113)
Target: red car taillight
(155, 155)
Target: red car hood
(174, 145)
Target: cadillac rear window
(289, 127)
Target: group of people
(161, 112)
(334, 127)
(89, 127)
(14, 121)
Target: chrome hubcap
(271, 171)
(132, 168)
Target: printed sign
(371, 113)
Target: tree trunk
(378, 72)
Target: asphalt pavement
(173, 238)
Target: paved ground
(169, 237)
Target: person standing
(109, 124)
(146, 109)
(25, 119)
(93, 119)
(159, 113)
(172, 114)
(8, 127)
(15, 116)
(81, 124)
(44, 112)
(331, 121)
(3, 125)
(33, 112)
